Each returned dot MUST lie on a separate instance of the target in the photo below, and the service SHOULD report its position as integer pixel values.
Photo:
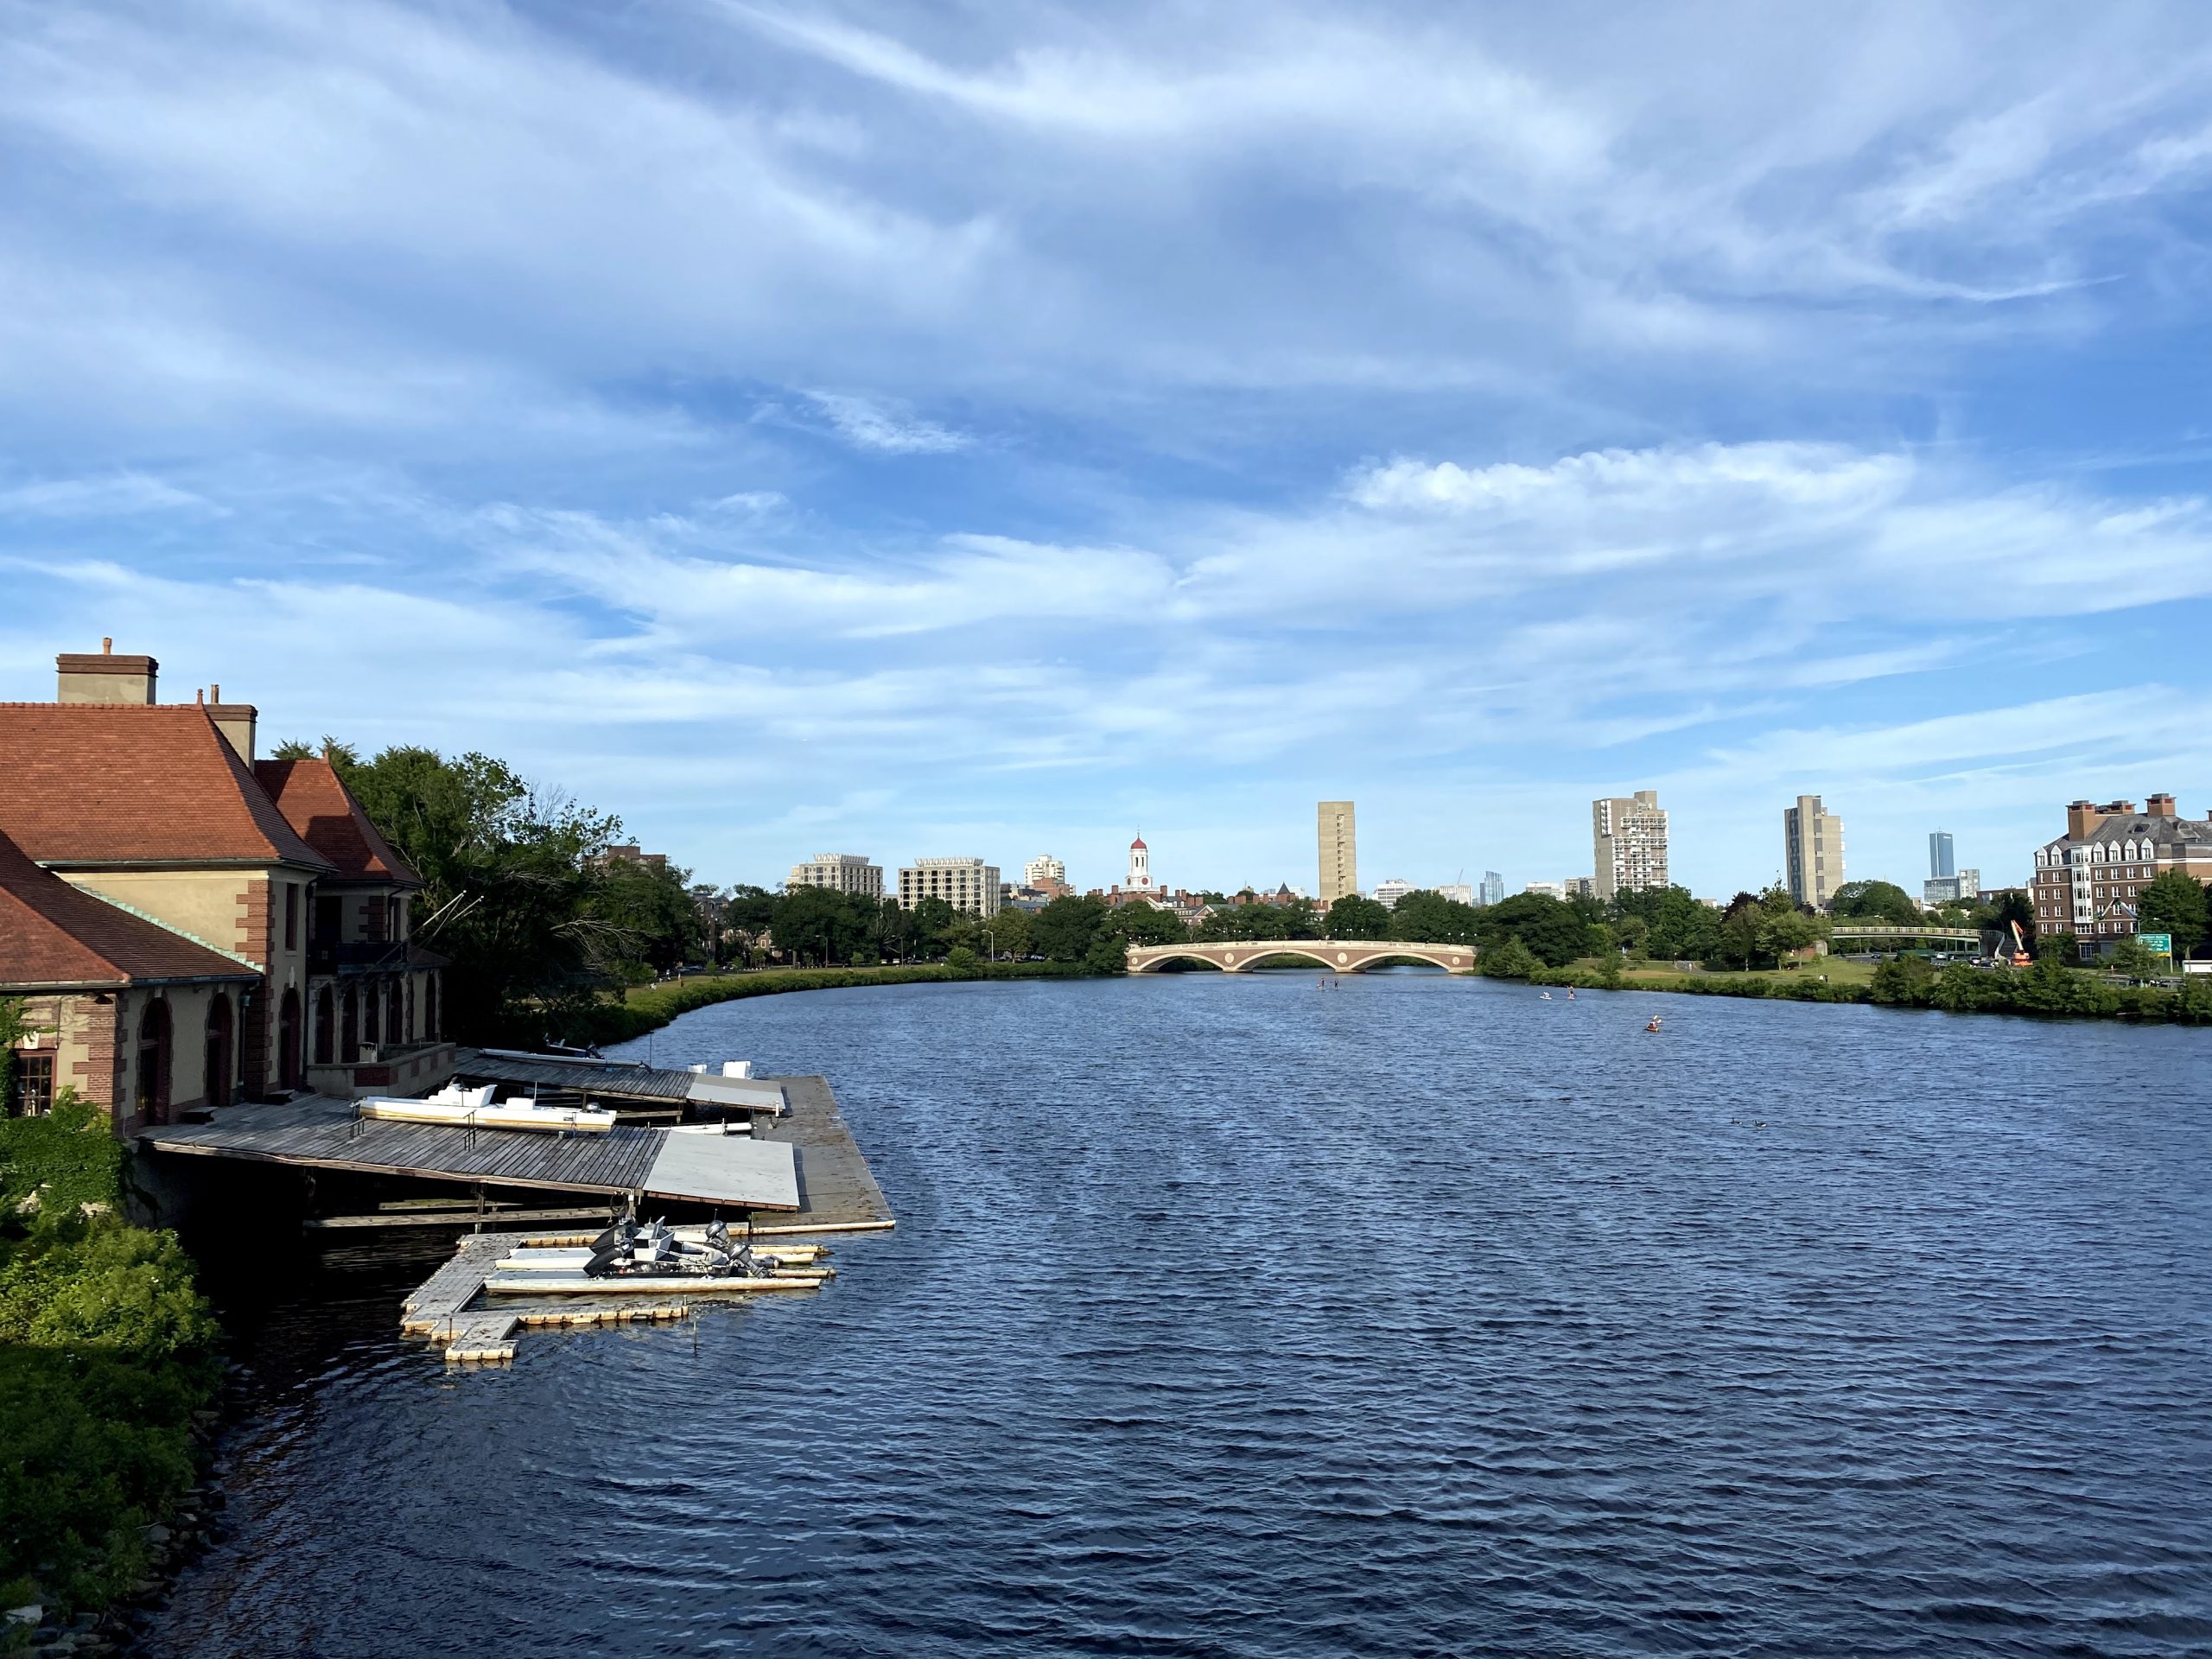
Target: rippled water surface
(1229, 1315)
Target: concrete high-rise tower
(1629, 840)
(1340, 846)
(1812, 844)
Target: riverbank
(650, 1008)
(2043, 990)
(107, 1372)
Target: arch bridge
(1331, 956)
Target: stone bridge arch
(1331, 956)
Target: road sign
(2160, 944)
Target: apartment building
(1812, 849)
(841, 873)
(1339, 849)
(1629, 842)
(966, 884)
(1042, 869)
(2087, 880)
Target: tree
(1141, 924)
(1550, 929)
(2133, 959)
(821, 925)
(747, 915)
(1679, 928)
(1876, 901)
(1736, 942)
(2173, 903)
(1430, 918)
(2062, 949)
(1354, 916)
(509, 875)
(934, 920)
(648, 911)
(1510, 959)
(1790, 931)
(1065, 930)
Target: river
(1231, 1315)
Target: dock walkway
(323, 1132)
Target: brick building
(125, 1011)
(2087, 880)
(156, 811)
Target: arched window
(222, 1044)
(410, 1008)
(391, 1025)
(287, 1040)
(326, 1028)
(430, 1007)
(349, 1027)
(153, 1097)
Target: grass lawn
(1839, 972)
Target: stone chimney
(106, 678)
(235, 721)
(2160, 806)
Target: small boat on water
(458, 1108)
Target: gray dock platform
(804, 1168)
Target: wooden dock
(837, 1190)
(744, 1172)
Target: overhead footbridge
(1330, 955)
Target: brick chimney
(235, 721)
(83, 677)
(2160, 806)
(2081, 820)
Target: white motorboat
(458, 1108)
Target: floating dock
(793, 1175)
(321, 1132)
(802, 1170)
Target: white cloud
(868, 424)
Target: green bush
(105, 1352)
(1510, 959)
(52, 1166)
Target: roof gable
(92, 783)
(315, 802)
(52, 934)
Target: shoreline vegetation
(2048, 989)
(109, 1369)
(2045, 990)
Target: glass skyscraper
(1939, 855)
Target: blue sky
(1004, 429)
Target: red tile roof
(54, 934)
(93, 783)
(315, 802)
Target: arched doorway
(349, 1029)
(153, 1097)
(287, 1040)
(326, 1028)
(222, 1044)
